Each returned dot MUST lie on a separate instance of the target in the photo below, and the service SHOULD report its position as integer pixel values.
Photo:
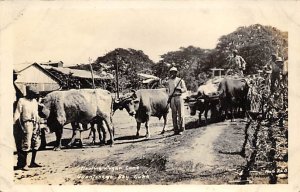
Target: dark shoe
(17, 168)
(22, 168)
(34, 165)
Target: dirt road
(198, 156)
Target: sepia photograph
(163, 93)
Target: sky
(73, 32)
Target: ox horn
(134, 94)
(133, 91)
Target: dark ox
(233, 95)
(145, 103)
(204, 103)
(198, 104)
(76, 106)
(204, 100)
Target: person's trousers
(27, 137)
(177, 108)
(31, 138)
(22, 155)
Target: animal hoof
(163, 132)
(42, 147)
(110, 142)
(137, 135)
(56, 149)
(102, 142)
(147, 136)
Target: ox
(233, 95)
(78, 127)
(99, 126)
(76, 106)
(205, 100)
(144, 103)
(101, 132)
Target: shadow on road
(128, 137)
(64, 142)
(138, 140)
(195, 125)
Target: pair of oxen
(220, 97)
(96, 106)
(83, 107)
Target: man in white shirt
(26, 130)
(176, 86)
(239, 64)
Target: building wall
(37, 78)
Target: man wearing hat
(238, 62)
(176, 86)
(275, 64)
(276, 72)
(26, 130)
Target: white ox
(77, 106)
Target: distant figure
(285, 67)
(285, 71)
(26, 130)
(275, 65)
(176, 86)
(238, 64)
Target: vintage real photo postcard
(149, 94)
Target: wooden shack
(37, 76)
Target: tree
(190, 62)
(129, 62)
(255, 44)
